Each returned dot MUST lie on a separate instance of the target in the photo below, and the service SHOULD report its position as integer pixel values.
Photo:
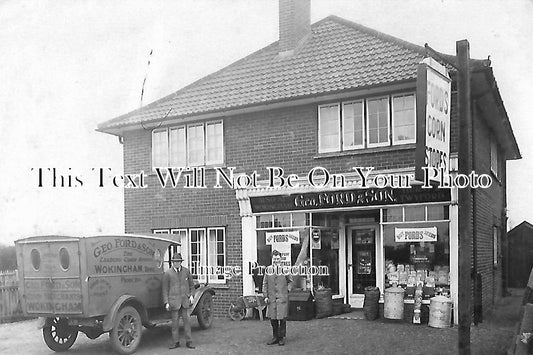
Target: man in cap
(178, 287)
(276, 290)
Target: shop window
(282, 220)
(294, 251)
(393, 214)
(409, 262)
(437, 212)
(264, 221)
(325, 251)
(192, 145)
(414, 213)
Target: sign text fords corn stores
(433, 107)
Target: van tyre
(127, 330)
(58, 335)
(204, 312)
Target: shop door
(361, 262)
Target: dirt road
(318, 336)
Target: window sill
(219, 286)
(389, 148)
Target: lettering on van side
(117, 269)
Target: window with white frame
(203, 249)
(192, 145)
(403, 119)
(378, 121)
(329, 128)
(373, 122)
(353, 130)
(494, 157)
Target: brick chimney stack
(294, 24)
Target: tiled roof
(339, 55)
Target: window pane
(214, 142)
(264, 221)
(282, 220)
(195, 143)
(403, 118)
(352, 116)
(437, 212)
(216, 253)
(178, 147)
(378, 118)
(160, 148)
(394, 214)
(494, 158)
(329, 128)
(415, 213)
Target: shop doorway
(361, 262)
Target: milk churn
(440, 312)
(393, 307)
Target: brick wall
(287, 138)
(488, 212)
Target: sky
(67, 66)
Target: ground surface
(318, 336)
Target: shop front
(348, 240)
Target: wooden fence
(10, 309)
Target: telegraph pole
(464, 196)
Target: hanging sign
(402, 235)
(316, 239)
(433, 107)
(281, 241)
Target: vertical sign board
(433, 100)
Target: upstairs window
(378, 122)
(367, 123)
(494, 166)
(192, 145)
(403, 119)
(329, 128)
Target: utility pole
(464, 196)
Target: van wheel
(205, 310)
(59, 336)
(127, 330)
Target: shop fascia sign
(409, 235)
(433, 108)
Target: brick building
(519, 254)
(332, 95)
